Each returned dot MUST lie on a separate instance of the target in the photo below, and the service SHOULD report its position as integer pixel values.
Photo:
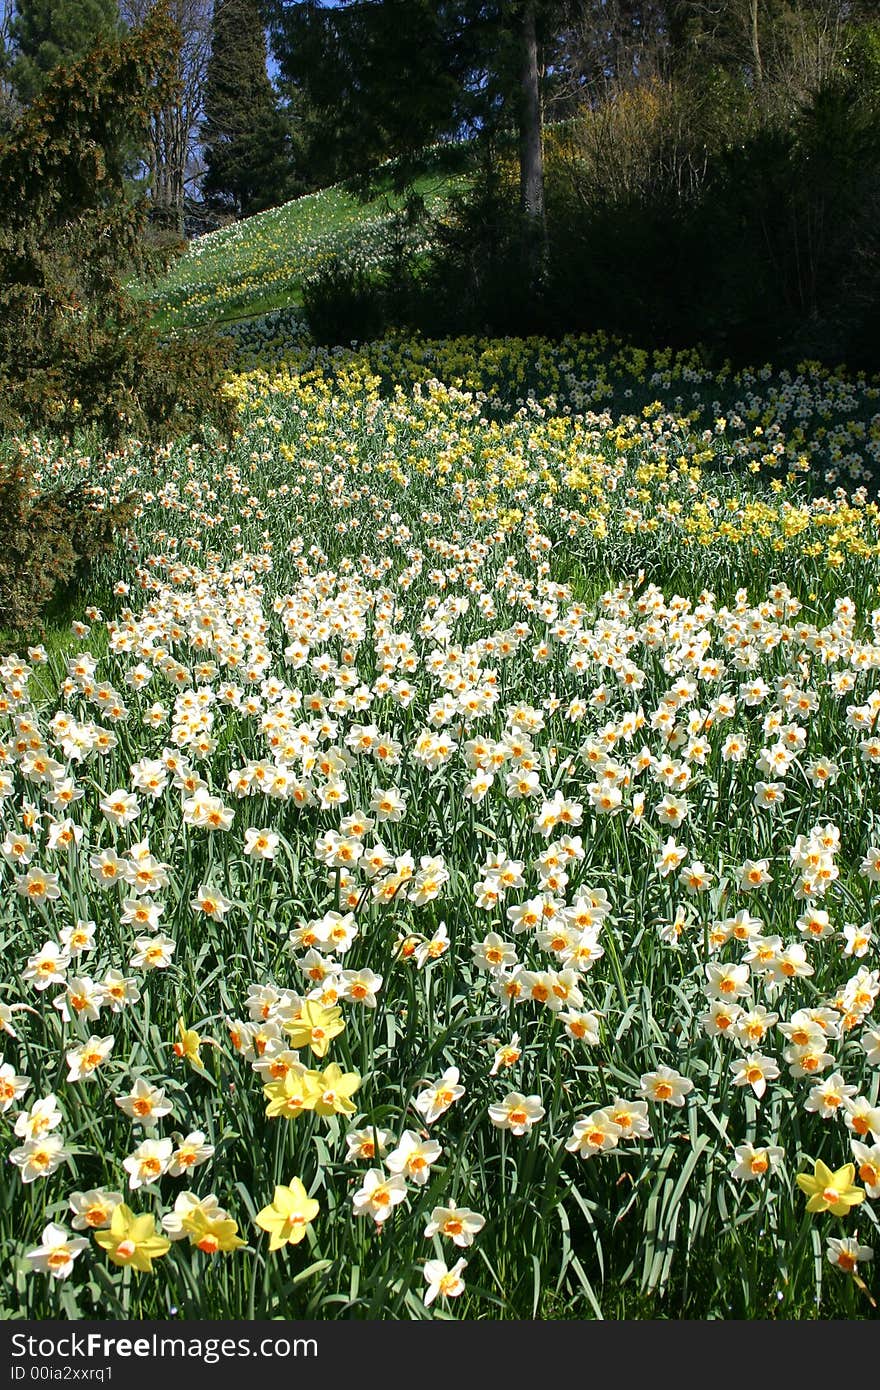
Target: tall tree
(388, 77)
(46, 33)
(75, 343)
(7, 96)
(173, 155)
(244, 132)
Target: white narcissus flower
(432, 949)
(47, 967)
(670, 857)
(388, 805)
(829, 1097)
(148, 1162)
(38, 1158)
(857, 940)
(152, 952)
(493, 953)
(260, 844)
(119, 990)
(754, 1163)
(361, 987)
(870, 865)
(867, 1156)
(144, 1102)
(38, 885)
(207, 812)
(42, 1118)
(870, 1043)
(436, 1099)
(93, 1210)
(582, 1026)
(506, 1055)
(120, 807)
(368, 1144)
(846, 1253)
(190, 1153)
(84, 1061)
(862, 1117)
(753, 874)
(56, 1254)
(516, 1112)
(666, 1086)
(413, 1157)
(630, 1116)
(755, 1070)
(379, 1195)
(594, 1134)
(458, 1224)
(443, 1282)
(211, 902)
(142, 913)
(11, 1086)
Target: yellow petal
(269, 1219)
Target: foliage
(47, 33)
(381, 81)
(47, 539)
(763, 216)
(247, 143)
(74, 343)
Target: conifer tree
(46, 33)
(245, 133)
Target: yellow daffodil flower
(289, 1214)
(295, 1091)
(187, 1046)
(827, 1191)
(315, 1028)
(132, 1240)
(210, 1234)
(334, 1089)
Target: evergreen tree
(245, 134)
(46, 33)
(389, 77)
(75, 342)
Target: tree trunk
(531, 152)
(168, 155)
(755, 41)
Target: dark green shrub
(75, 345)
(342, 303)
(47, 539)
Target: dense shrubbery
(677, 213)
(47, 538)
(74, 344)
(756, 245)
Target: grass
(250, 268)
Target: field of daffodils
(441, 857)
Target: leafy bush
(683, 216)
(343, 303)
(74, 343)
(46, 540)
